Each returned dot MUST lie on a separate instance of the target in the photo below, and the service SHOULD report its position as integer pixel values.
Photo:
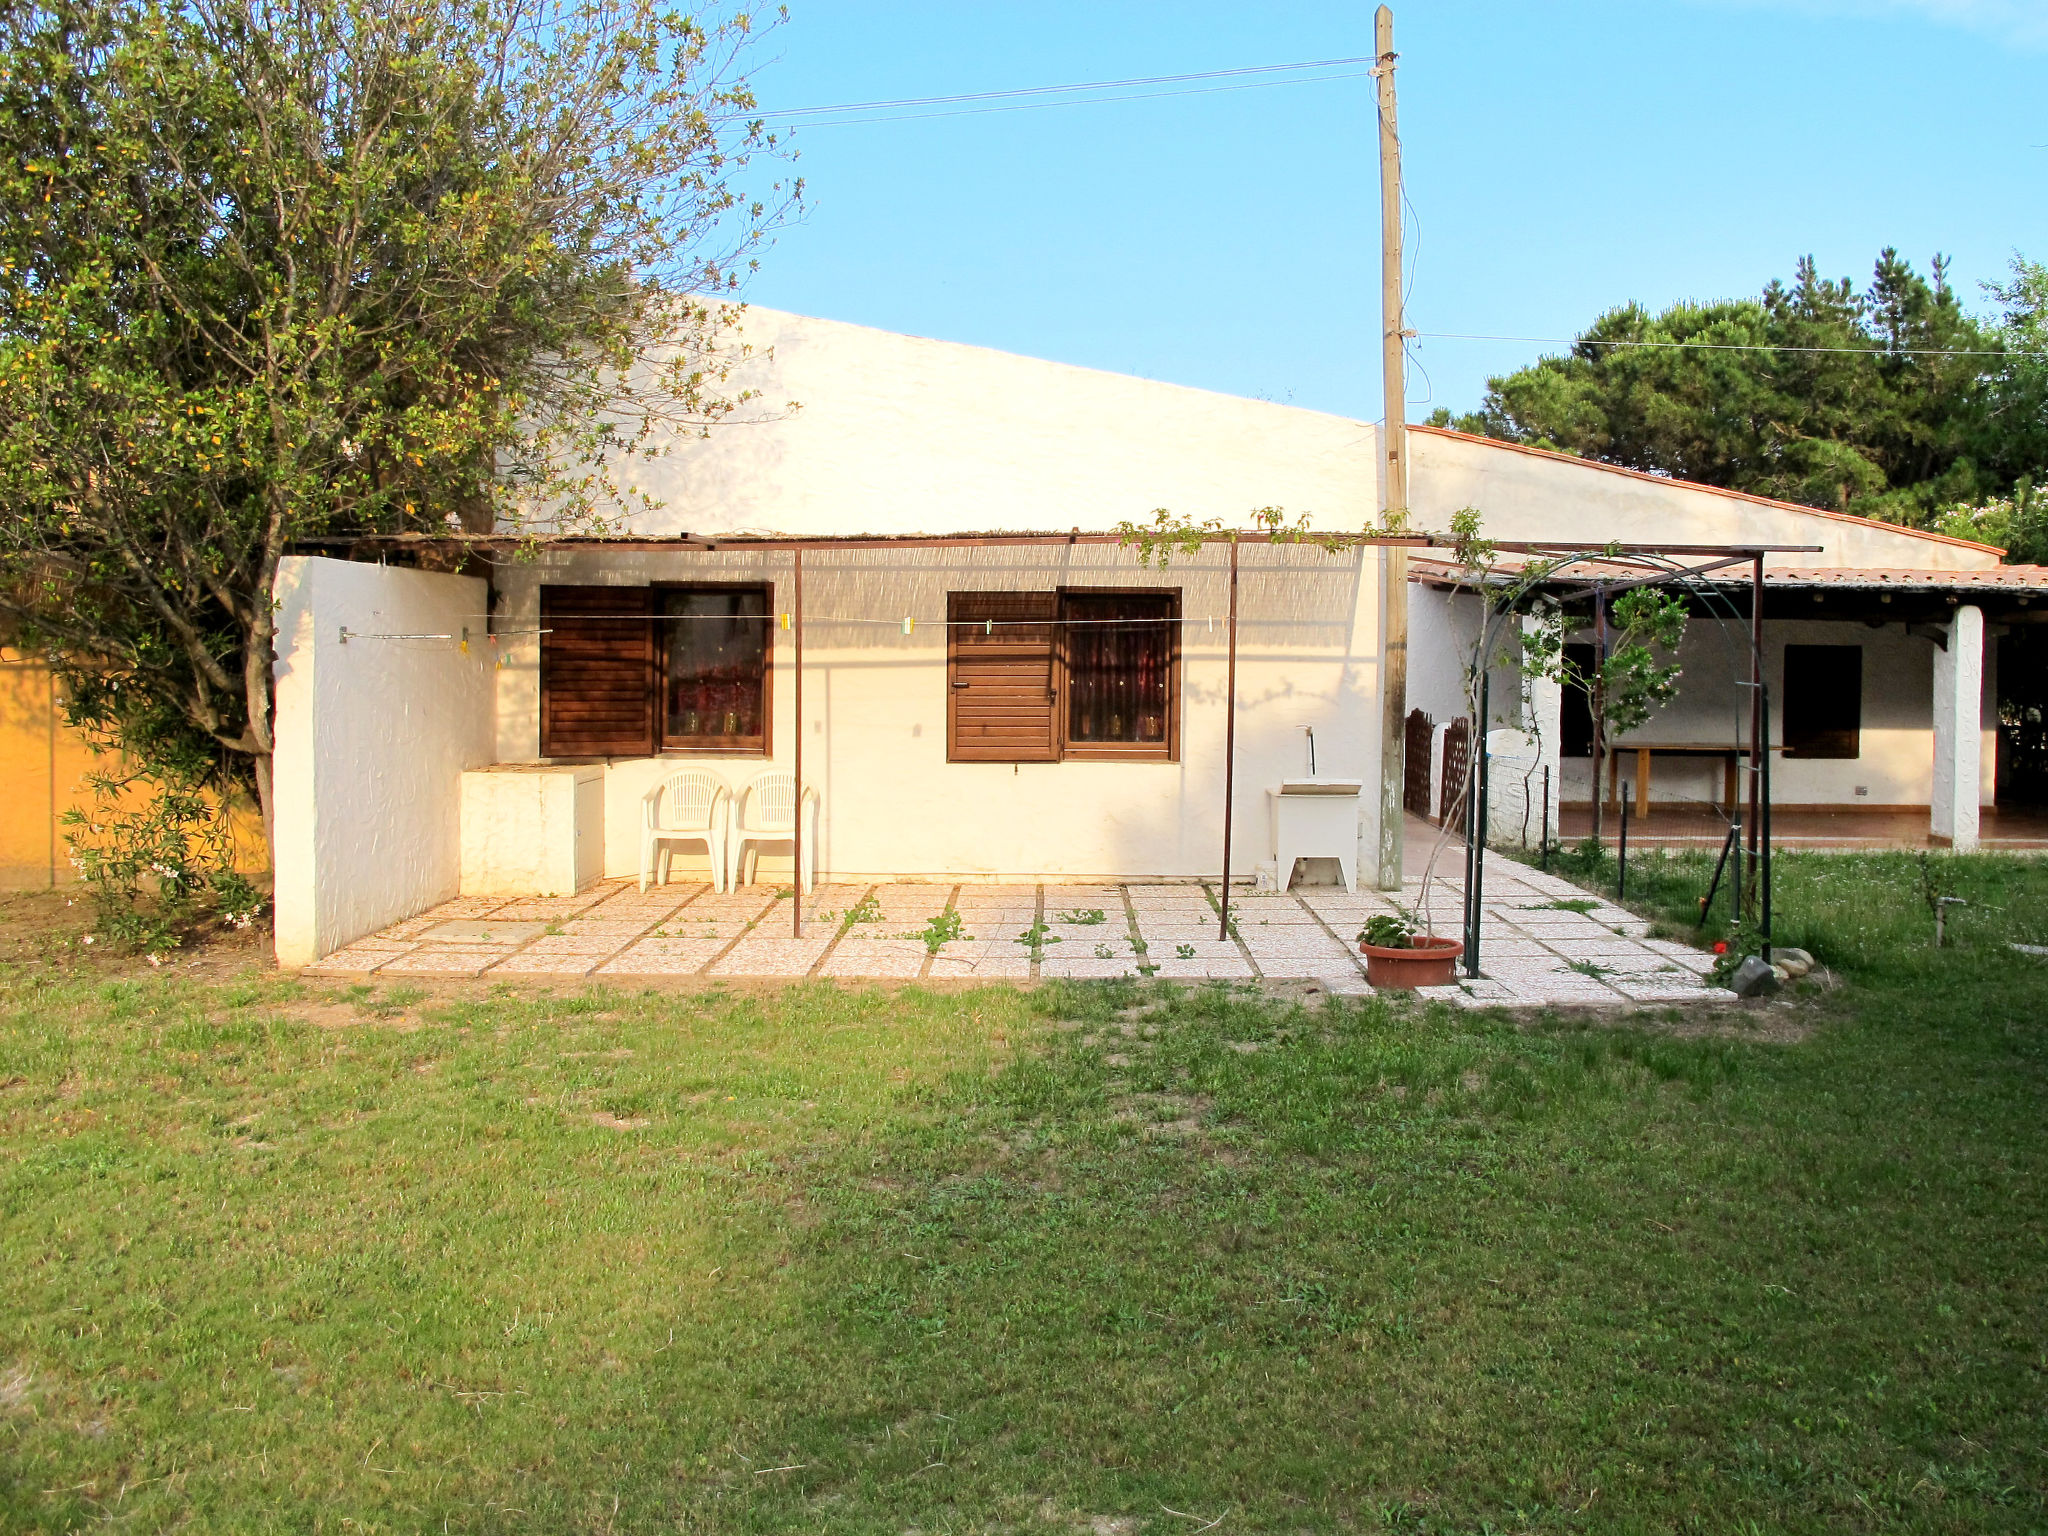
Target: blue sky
(1561, 157)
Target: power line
(1733, 346)
(1074, 101)
(1046, 90)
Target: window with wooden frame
(632, 671)
(1034, 677)
(715, 674)
(1822, 704)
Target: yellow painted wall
(43, 765)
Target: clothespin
(991, 627)
(465, 639)
(908, 622)
(785, 621)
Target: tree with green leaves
(279, 268)
(1890, 401)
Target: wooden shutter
(1000, 703)
(597, 672)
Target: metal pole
(1475, 828)
(796, 624)
(1545, 844)
(1599, 707)
(1230, 754)
(1621, 867)
(1731, 841)
(1763, 878)
(1394, 450)
(1756, 706)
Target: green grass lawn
(280, 1256)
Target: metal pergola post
(796, 626)
(1475, 824)
(1230, 756)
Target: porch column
(1958, 722)
(1545, 723)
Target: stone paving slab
(1528, 946)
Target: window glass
(717, 667)
(1119, 659)
(1575, 719)
(1822, 709)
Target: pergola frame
(1522, 586)
(463, 547)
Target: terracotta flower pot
(1426, 963)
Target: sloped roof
(1999, 578)
(1709, 490)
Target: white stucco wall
(875, 708)
(372, 738)
(1526, 495)
(900, 434)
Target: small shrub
(1388, 930)
(942, 930)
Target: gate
(1415, 766)
(1457, 762)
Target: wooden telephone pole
(1394, 507)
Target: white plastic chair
(765, 812)
(690, 806)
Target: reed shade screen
(716, 666)
(1120, 669)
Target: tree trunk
(266, 803)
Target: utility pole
(1394, 509)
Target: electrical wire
(1048, 90)
(1077, 101)
(1733, 346)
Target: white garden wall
(875, 707)
(372, 737)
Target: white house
(1014, 694)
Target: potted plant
(1398, 957)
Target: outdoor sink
(1321, 786)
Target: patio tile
(855, 957)
(1177, 933)
(1613, 947)
(527, 963)
(994, 967)
(1204, 948)
(1113, 930)
(620, 908)
(464, 906)
(1297, 967)
(564, 944)
(754, 956)
(443, 962)
(551, 909)
(475, 931)
(597, 927)
(663, 957)
(357, 959)
(1088, 968)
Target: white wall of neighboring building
(372, 737)
(856, 430)
(1525, 494)
(875, 707)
